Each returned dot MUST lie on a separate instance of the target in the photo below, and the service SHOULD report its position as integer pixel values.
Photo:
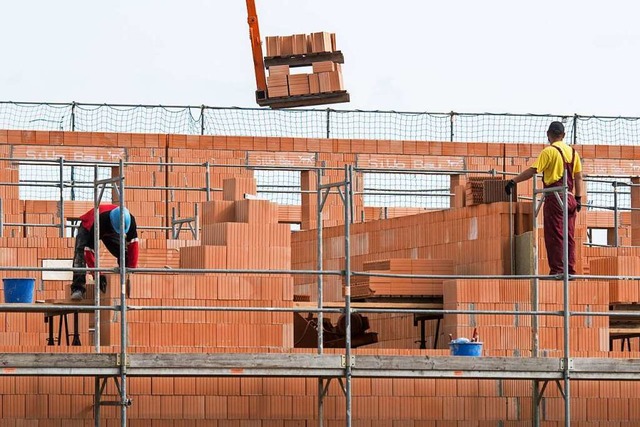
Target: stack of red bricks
(474, 190)
(487, 190)
(620, 291)
(237, 233)
(367, 286)
(326, 76)
(476, 239)
(300, 44)
(509, 334)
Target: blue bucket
(466, 348)
(18, 290)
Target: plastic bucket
(18, 290)
(466, 349)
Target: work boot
(77, 295)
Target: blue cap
(114, 216)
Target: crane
(260, 63)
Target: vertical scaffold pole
(347, 289)
(124, 401)
(567, 313)
(96, 299)
(616, 220)
(96, 275)
(535, 303)
(320, 281)
(207, 179)
(62, 221)
(328, 123)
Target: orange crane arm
(256, 49)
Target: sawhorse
(63, 324)
(422, 318)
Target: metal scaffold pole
(319, 266)
(96, 301)
(62, 216)
(347, 289)
(567, 312)
(124, 401)
(536, 396)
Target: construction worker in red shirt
(84, 255)
(553, 162)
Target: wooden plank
(305, 100)
(459, 363)
(389, 305)
(57, 360)
(457, 367)
(604, 367)
(314, 365)
(233, 360)
(239, 364)
(304, 60)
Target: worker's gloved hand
(578, 203)
(103, 284)
(509, 187)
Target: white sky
(561, 57)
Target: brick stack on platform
(375, 286)
(300, 44)
(326, 78)
(510, 335)
(244, 234)
(475, 239)
(480, 190)
(326, 75)
(620, 291)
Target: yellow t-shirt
(551, 165)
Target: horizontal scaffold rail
(315, 365)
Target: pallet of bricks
(326, 76)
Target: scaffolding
(342, 368)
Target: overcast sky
(540, 56)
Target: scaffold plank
(236, 364)
(314, 365)
(603, 369)
(62, 364)
(457, 367)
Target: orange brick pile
(510, 335)
(620, 291)
(475, 239)
(371, 286)
(474, 190)
(480, 190)
(326, 77)
(300, 44)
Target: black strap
(573, 155)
